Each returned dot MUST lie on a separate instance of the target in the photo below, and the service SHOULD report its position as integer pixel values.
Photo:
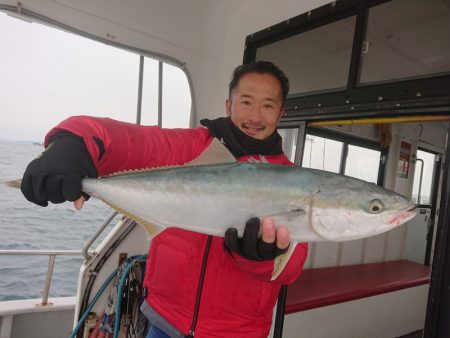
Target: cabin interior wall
(387, 315)
(405, 135)
(432, 135)
(364, 131)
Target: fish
(216, 192)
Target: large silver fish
(209, 198)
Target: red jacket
(237, 295)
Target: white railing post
(48, 279)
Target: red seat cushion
(327, 286)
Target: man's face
(256, 105)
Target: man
(194, 284)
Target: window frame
(354, 141)
(32, 16)
(435, 180)
(395, 98)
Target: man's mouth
(252, 130)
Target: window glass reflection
(362, 163)
(322, 153)
(406, 43)
(315, 60)
(425, 164)
(289, 142)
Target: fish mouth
(412, 207)
(404, 216)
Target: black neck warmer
(240, 143)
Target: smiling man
(255, 102)
(194, 284)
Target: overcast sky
(47, 75)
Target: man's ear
(228, 107)
(282, 113)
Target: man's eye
(247, 103)
(268, 106)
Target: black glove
(251, 246)
(56, 174)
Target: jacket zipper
(200, 288)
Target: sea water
(24, 225)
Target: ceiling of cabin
(170, 20)
(179, 24)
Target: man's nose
(256, 113)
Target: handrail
(51, 262)
(420, 180)
(97, 233)
(41, 252)
(53, 253)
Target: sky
(47, 75)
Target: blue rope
(91, 304)
(119, 294)
(99, 293)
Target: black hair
(260, 67)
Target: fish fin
(281, 261)
(151, 228)
(215, 153)
(14, 183)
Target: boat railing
(53, 253)
(95, 235)
(51, 262)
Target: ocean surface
(24, 225)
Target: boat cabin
(369, 98)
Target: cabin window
(289, 142)
(350, 55)
(47, 75)
(330, 151)
(423, 177)
(362, 163)
(326, 150)
(410, 43)
(316, 60)
(176, 99)
(322, 153)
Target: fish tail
(14, 183)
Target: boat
(358, 69)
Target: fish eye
(376, 206)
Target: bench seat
(327, 286)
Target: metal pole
(160, 90)
(281, 303)
(434, 207)
(420, 181)
(279, 317)
(381, 120)
(48, 279)
(438, 307)
(86, 246)
(141, 81)
(300, 143)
